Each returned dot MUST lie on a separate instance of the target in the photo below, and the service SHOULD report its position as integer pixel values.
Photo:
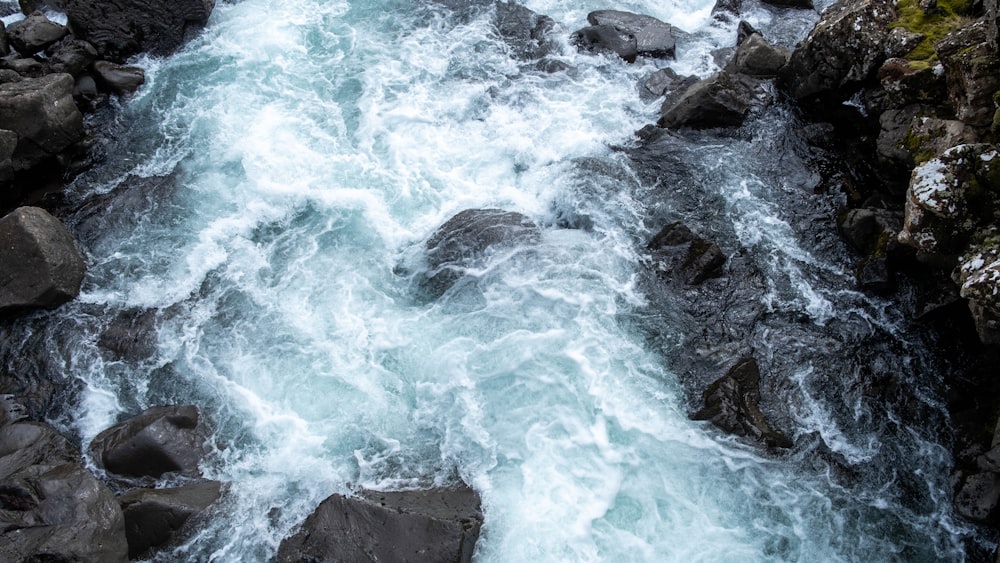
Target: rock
(468, 239)
(978, 279)
(653, 38)
(679, 253)
(11, 410)
(122, 28)
(524, 30)
(743, 32)
(42, 113)
(666, 82)
(605, 39)
(892, 144)
(119, 79)
(804, 4)
(756, 57)
(4, 42)
(34, 33)
(26, 68)
(131, 335)
(900, 41)
(872, 232)
(722, 100)
(930, 137)
(8, 142)
(906, 82)
(153, 517)
(725, 9)
(991, 17)
(842, 50)
(731, 404)
(7, 75)
(40, 263)
(167, 439)
(53, 509)
(439, 525)
(71, 56)
(978, 496)
(972, 69)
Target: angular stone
(721, 100)
(525, 31)
(439, 525)
(653, 38)
(972, 68)
(605, 39)
(678, 252)
(154, 517)
(42, 113)
(731, 404)
(34, 33)
(71, 56)
(40, 264)
(756, 57)
(120, 79)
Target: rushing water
(281, 176)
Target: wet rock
(679, 253)
(978, 496)
(605, 39)
(722, 100)
(40, 263)
(743, 32)
(653, 38)
(731, 403)
(53, 509)
(34, 34)
(71, 56)
(756, 57)
(26, 68)
(11, 410)
(131, 335)
(842, 50)
(4, 42)
(666, 82)
(469, 239)
(119, 79)
(121, 28)
(872, 232)
(167, 439)
(972, 68)
(8, 142)
(525, 31)
(978, 279)
(154, 517)
(440, 525)
(42, 113)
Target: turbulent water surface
(265, 200)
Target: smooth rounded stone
(42, 113)
(525, 31)
(154, 517)
(653, 38)
(439, 525)
(843, 49)
(679, 253)
(721, 100)
(120, 79)
(8, 142)
(54, 509)
(731, 403)
(34, 34)
(468, 239)
(166, 439)
(756, 57)
(40, 263)
(121, 28)
(27, 67)
(71, 56)
(7, 75)
(606, 39)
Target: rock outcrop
(440, 525)
(721, 100)
(678, 253)
(43, 115)
(154, 517)
(627, 35)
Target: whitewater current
(265, 199)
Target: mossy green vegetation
(950, 15)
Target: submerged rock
(439, 525)
(677, 252)
(154, 517)
(40, 263)
(525, 31)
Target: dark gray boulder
(666, 82)
(653, 38)
(756, 57)
(872, 232)
(721, 100)
(121, 28)
(119, 79)
(731, 403)
(40, 264)
(34, 34)
(71, 56)
(52, 508)
(678, 253)
(4, 43)
(154, 517)
(804, 4)
(972, 69)
(42, 113)
(439, 525)
(469, 239)
(606, 39)
(527, 33)
(166, 439)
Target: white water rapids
(314, 146)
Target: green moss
(951, 15)
(914, 143)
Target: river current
(265, 199)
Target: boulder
(731, 404)
(467, 240)
(756, 57)
(119, 79)
(526, 32)
(906, 83)
(678, 253)
(8, 75)
(26, 67)
(71, 56)
(653, 38)
(978, 279)
(53, 509)
(154, 517)
(8, 142)
(34, 33)
(40, 264)
(122, 28)
(872, 232)
(42, 113)
(666, 82)
(930, 137)
(439, 525)
(166, 439)
(721, 100)
(605, 39)
(972, 69)
(842, 50)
